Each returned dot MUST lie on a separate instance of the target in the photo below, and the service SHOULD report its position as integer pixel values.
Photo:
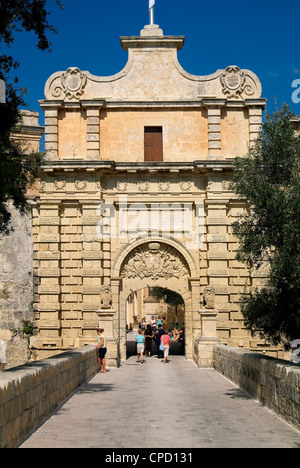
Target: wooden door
(153, 144)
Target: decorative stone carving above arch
(154, 260)
(171, 245)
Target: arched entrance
(166, 308)
(156, 262)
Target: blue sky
(262, 36)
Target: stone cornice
(138, 42)
(201, 166)
(202, 101)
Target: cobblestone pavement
(156, 405)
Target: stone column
(208, 337)
(106, 311)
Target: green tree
(170, 297)
(269, 232)
(17, 169)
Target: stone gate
(135, 193)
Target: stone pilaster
(255, 122)
(51, 128)
(47, 277)
(71, 273)
(214, 108)
(93, 128)
(92, 271)
(208, 338)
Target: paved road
(156, 405)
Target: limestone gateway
(135, 194)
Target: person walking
(166, 340)
(102, 350)
(148, 340)
(158, 335)
(140, 342)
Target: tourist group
(155, 332)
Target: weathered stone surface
(16, 283)
(275, 383)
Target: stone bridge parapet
(274, 383)
(30, 393)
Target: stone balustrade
(273, 382)
(30, 393)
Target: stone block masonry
(16, 289)
(29, 393)
(274, 383)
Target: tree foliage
(17, 168)
(269, 233)
(170, 297)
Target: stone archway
(156, 262)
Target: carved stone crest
(209, 297)
(154, 261)
(73, 83)
(106, 297)
(233, 81)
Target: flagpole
(152, 15)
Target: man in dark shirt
(158, 334)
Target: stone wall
(29, 394)
(16, 267)
(16, 289)
(275, 383)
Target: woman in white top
(153, 323)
